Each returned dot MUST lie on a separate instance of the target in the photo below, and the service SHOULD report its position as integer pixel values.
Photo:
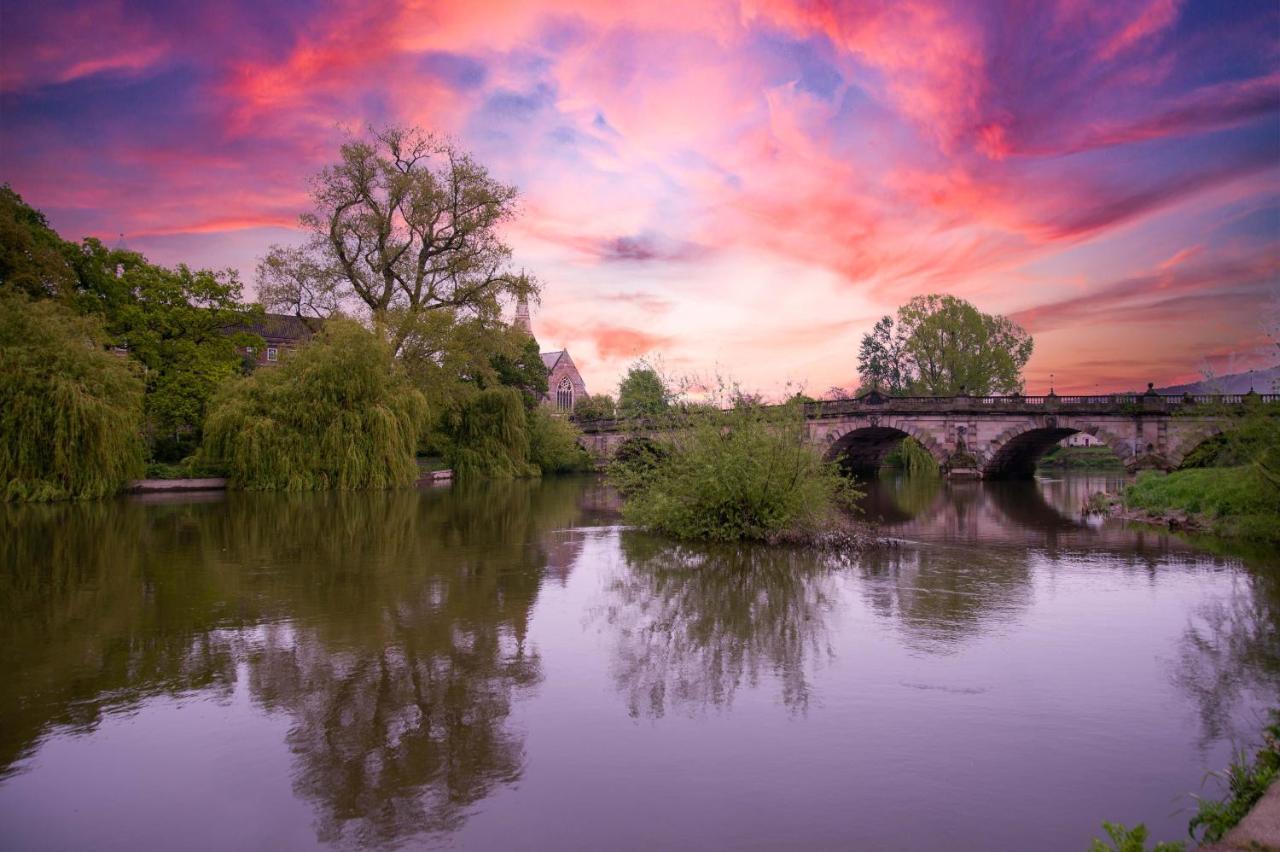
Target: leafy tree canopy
(942, 345)
(642, 392)
(403, 225)
(70, 412)
(177, 323)
(338, 413)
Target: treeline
(109, 363)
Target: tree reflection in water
(1230, 648)
(391, 627)
(693, 623)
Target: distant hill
(1263, 381)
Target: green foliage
(407, 225)
(521, 368)
(941, 346)
(911, 456)
(1246, 781)
(747, 473)
(177, 323)
(70, 412)
(487, 436)
(33, 259)
(1237, 501)
(1081, 458)
(598, 406)
(1134, 839)
(553, 444)
(642, 392)
(336, 414)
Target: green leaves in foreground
(1246, 782)
(70, 412)
(338, 413)
(746, 474)
(1134, 839)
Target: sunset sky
(741, 184)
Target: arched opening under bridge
(1018, 456)
(861, 452)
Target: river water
(506, 667)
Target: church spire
(522, 316)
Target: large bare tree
(404, 224)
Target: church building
(564, 383)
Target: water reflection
(1230, 651)
(390, 627)
(415, 651)
(694, 624)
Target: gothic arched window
(564, 394)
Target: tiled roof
(549, 359)
(283, 327)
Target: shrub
(70, 412)
(337, 413)
(747, 473)
(553, 444)
(598, 406)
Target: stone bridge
(990, 437)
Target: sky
(736, 187)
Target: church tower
(564, 383)
(522, 321)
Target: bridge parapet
(1124, 404)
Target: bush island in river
(744, 474)
(336, 414)
(70, 412)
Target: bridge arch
(863, 447)
(1015, 452)
(1191, 441)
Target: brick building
(280, 333)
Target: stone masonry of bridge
(989, 437)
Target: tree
(517, 363)
(881, 359)
(179, 324)
(70, 412)
(642, 392)
(488, 436)
(186, 328)
(405, 224)
(598, 406)
(33, 259)
(941, 346)
(338, 413)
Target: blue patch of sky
(456, 70)
(802, 60)
(162, 104)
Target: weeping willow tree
(487, 435)
(916, 460)
(338, 413)
(70, 412)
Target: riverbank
(1228, 501)
(1259, 830)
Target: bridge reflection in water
(382, 670)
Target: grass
(1081, 458)
(1246, 781)
(1232, 501)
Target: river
(507, 667)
